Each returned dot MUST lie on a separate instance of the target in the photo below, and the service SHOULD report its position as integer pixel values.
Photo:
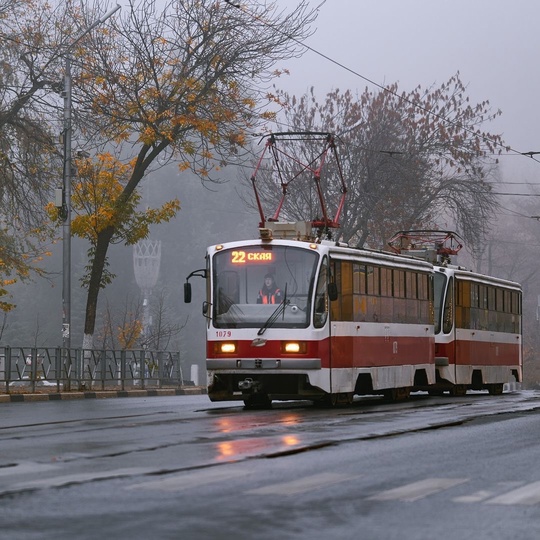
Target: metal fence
(59, 369)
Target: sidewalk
(43, 395)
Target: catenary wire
(531, 155)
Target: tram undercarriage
(456, 380)
(258, 390)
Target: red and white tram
(349, 322)
(478, 327)
(477, 331)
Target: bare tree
(181, 81)
(106, 332)
(33, 37)
(164, 325)
(122, 326)
(413, 159)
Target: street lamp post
(66, 188)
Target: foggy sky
(494, 44)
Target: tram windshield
(249, 283)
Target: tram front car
(289, 319)
(267, 310)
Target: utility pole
(66, 211)
(66, 188)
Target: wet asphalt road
(182, 467)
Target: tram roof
(336, 249)
(463, 273)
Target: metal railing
(60, 369)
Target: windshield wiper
(277, 312)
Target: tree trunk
(98, 264)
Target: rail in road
(208, 435)
(175, 465)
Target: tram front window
(245, 297)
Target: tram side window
(373, 285)
(463, 309)
(410, 284)
(473, 306)
(424, 297)
(492, 307)
(359, 278)
(380, 294)
(508, 326)
(346, 291)
(342, 308)
(503, 316)
(499, 306)
(386, 311)
(359, 292)
(516, 308)
(386, 282)
(400, 308)
(411, 310)
(487, 307)
(399, 284)
(491, 298)
(483, 307)
(516, 312)
(374, 292)
(483, 292)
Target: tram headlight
(293, 347)
(225, 347)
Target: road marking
(26, 467)
(418, 490)
(478, 496)
(79, 478)
(485, 494)
(194, 479)
(528, 495)
(309, 483)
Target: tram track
(145, 444)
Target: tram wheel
(344, 399)
(495, 389)
(458, 390)
(397, 394)
(258, 401)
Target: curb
(102, 394)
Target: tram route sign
(250, 257)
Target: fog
(494, 46)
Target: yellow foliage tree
(98, 206)
(184, 81)
(129, 333)
(31, 52)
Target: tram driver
(270, 292)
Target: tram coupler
(250, 386)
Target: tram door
(448, 328)
(339, 299)
(321, 319)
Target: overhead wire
(510, 149)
